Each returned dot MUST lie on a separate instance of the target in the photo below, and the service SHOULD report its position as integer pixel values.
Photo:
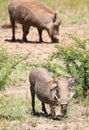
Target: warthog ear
(55, 17)
(54, 93)
(71, 79)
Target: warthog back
(34, 13)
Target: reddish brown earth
(77, 119)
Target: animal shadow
(40, 114)
(28, 42)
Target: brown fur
(34, 13)
(49, 90)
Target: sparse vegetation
(76, 62)
(8, 64)
(71, 60)
(71, 11)
(15, 109)
(12, 108)
(4, 9)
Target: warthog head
(54, 28)
(63, 93)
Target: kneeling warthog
(34, 13)
(50, 90)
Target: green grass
(72, 11)
(16, 128)
(4, 9)
(13, 108)
(17, 110)
(8, 64)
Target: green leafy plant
(76, 60)
(56, 68)
(7, 64)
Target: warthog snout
(54, 39)
(64, 109)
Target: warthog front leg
(25, 32)
(44, 108)
(52, 109)
(40, 35)
(13, 28)
(33, 99)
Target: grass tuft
(4, 9)
(72, 11)
(13, 108)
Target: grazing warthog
(34, 13)
(50, 90)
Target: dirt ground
(39, 52)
